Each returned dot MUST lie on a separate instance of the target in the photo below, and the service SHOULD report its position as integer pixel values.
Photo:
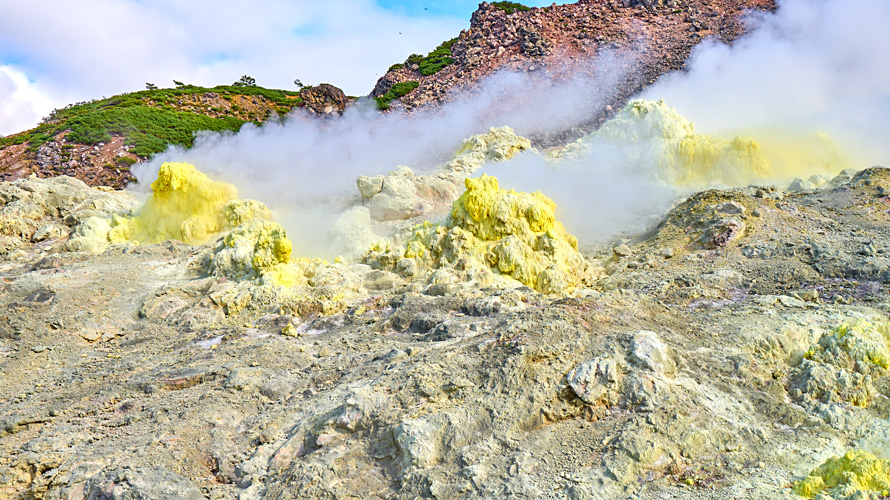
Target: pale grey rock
(798, 185)
(651, 353)
(622, 250)
(730, 208)
(420, 440)
(369, 186)
(596, 381)
(141, 483)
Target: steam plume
(307, 166)
(811, 70)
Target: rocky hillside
(99, 141)
(506, 35)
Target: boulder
(324, 99)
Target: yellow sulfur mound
(514, 234)
(185, 205)
(659, 133)
(188, 206)
(844, 363)
(491, 213)
(647, 134)
(257, 250)
(858, 345)
(839, 477)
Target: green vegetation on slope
(510, 7)
(147, 129)
(148, 120)
(397, 91)
(437, 59)
(434, 62)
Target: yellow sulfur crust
(842, 476)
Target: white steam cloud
(812, 66)
(306, 167)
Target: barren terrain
(685, 370)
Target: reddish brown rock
(324, 99)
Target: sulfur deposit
(185, 205)
(400, 198)
(647, 135)
(258, 250)
(857, 345)
(844, 364)
(513, 234)
(854, 475)
(653, 134)
(498, 144)
(403, 195)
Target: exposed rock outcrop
(324, 99)
(660, 34)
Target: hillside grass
(510, 7)
(146, 128)
(433, 62)
(397, 91)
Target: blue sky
(460, 8)
(56, 52)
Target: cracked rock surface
(687, 369)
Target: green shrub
(125, 161)
(510, 7)
(437, 59)
(397, 91)
(245, 81)
(148, 128)
(432, 63)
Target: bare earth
(681, 373)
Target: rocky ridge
(559, 39)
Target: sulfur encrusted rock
(258, 250)
(857, 474)
(513, 234)
(844, 363)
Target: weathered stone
(324, 99)
(596, 381)
(142, 483)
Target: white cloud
(89, 49)
(22, 103)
